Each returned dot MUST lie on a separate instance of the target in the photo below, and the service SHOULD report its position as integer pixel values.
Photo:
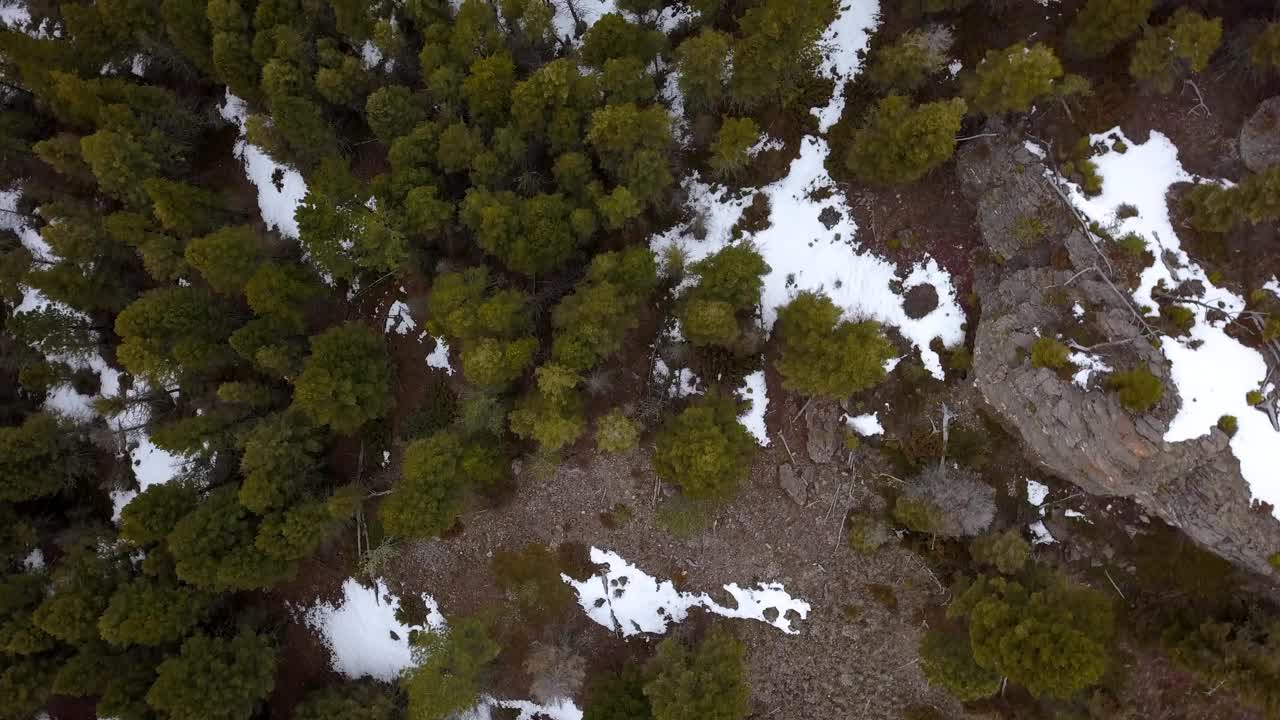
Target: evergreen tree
(899, 143)
(215, 678)
(591, 322)
(1265, 52)
(1102, 25)
(702, 62)
(451, 670)
(1013, 79)
(154, 512)
(172, 330)
(613, 36)
(40, 458)
(346, 380)
(552, 414)
(151, 611)
(616, 433)
(824, 355)
(351, 701)
(280, 290)
(1184, 43)
(393, 111)
(730, 150)
(213, 547)
(705, 449)
(1063, 632)
(618, 696)
(777, 51)
(487, 89)
(161, 253)
(728, 286)
(227, 258)
(906, 64)
(183, 209)
(437, 474)
(704, 683)
(281, 458)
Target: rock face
(1260, 136)
(822, 421)
(1082, 434)
(966, 505)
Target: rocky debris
(829, 217)
(966, 505)
(920, 301)
(822, 420)
(795, 484)
(1016, 209)
(1260, 136)
(1085, 436)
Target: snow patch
(753, 390)
(1036, 492)
(400, 320)
(1034, 149)
(1212, 371)
(803, 253)
(370, 55)
(439, 358)
(1040, 534)
(767, 143)
(625, 599)
(1088, 364)
(865, 425)
(34, 561)
(362, 633)
(589, 11)
(843, 40)
(280, 188)
(1077, 311)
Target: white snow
(1272, 286)
(280, 188)
(865, 425)
(803, 254)
(370, 55)
(400, 320)
(439, 357)
(684, 385)
(766, 143)
(842, 41)
(954, 67)
(1040, 534)
(753, 390)
(14, 14)
(589, 11)
(1034, 149)
(1088, 364)
(625, 599)
(561, 709)
(33, 561)
(1077, 311)
(673, 99)
(1212, 371)
(362, 633)
(1077, 515)
(1036, 492)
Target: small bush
(1049, 353)
(948, 663)
(1132, 245)
(1125, 211)
(1254, 397)
(868, 533)
(1006, 551)
(1090, 180)
(1139, 389)
(917, 514)
(1029, 228)
(1275, 560)
(1229, 425)
(616, 433)
(1179, 316)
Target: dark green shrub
(1139, 389)
(948, 663)
(1229, 425)
(1049, 353)
(1006, 551)
(702, 683)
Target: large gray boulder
(1260, 136)
(1083, 434)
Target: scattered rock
(920, 301)
(1260, 136)
(795, 484)
(823, 422)
(966, 505)
(1086, 437)
(829, 217)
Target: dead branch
(1199, 96)
(787, 446)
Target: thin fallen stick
(1114, 585)
(787, 446)
(802, 409)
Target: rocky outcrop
(1260, 136)
(965, 504)
(1083, 434)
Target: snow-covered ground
(362, 633)
(625, 599)
(365, 639)
(151, 465)
(439, 357)
(803, 252)
(280, 187)
(754, 390)
(865, 425)
(399, 319)
(1212, 371)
